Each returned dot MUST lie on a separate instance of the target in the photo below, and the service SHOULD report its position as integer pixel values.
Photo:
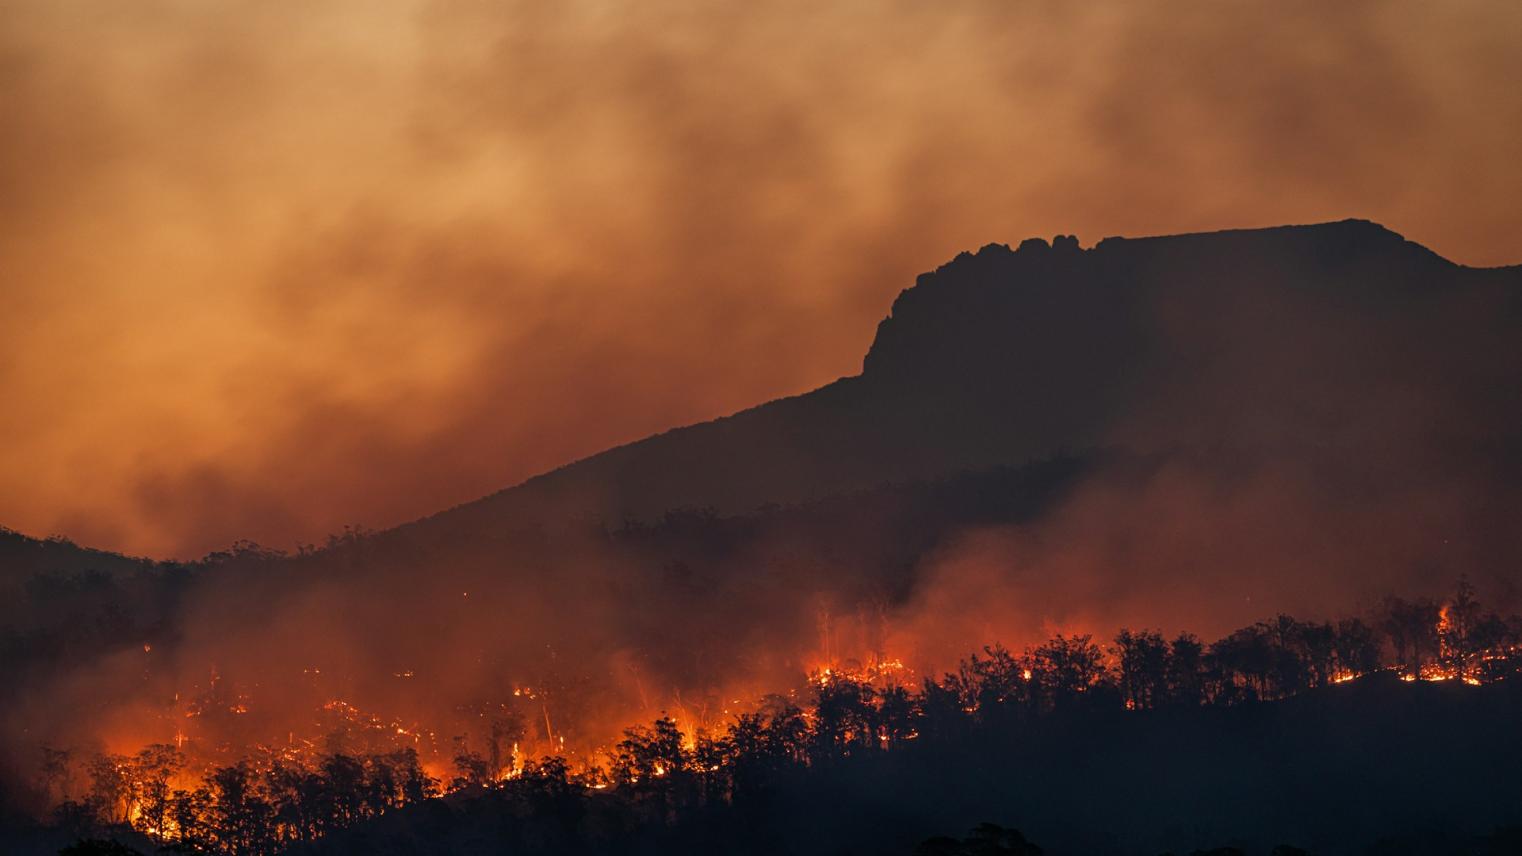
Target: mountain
(1337, 343)
(1339, 336)
(1176, 431)
(1183, 433)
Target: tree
(897, 716)
(1186, 670)
(710, 762)
(1356, 646)
(242, 820)
(190, 811)
(1243, 665)
(74, 817)
(843, 715)
(648, 753)
(1457, 622)
(472, 770)
(408, 782)
(295, 795)
(1290, 663)
(1143, 668)
(56, 773)
(943, 709)
(995, 681)
(651, 764)
(787, 731)
(1065, 668)
(344, 777)
(749, 759)
(1412, 629)
(151, 771)
(1318, 645)
(547, 789)
(111, 787)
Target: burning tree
(292, 794)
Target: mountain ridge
(946, 355)
(982, 320)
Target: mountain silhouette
(1353, 372)
(1339, 337)
(1187, 432)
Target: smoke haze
(269, 273)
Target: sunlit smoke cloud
(271, 272)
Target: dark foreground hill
(1375, 767)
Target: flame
(219, 721)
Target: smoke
(1192, 545)
(275, 273)
(269, 273)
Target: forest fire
(800, 429)
(349, 763)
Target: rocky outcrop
(1302, 336)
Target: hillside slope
(1300, 336)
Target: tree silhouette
(1065, 668)
(1457, 626)
(111, 787)
(651, 764)
(150, 772)
(191, 812)
(55, 773)
(1356, 646)
(1143, 668)
(472, 770)
(843, 711)
(242, 819)
(1412, 629)
(1186, 670)
(731, 776)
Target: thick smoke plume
(268, 274)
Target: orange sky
(268, 269)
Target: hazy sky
(271, 268)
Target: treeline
(658, 774)
(245, 808)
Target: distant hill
(1322, 415)
(22, 556)
(1315, 336)
(1338, 340)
